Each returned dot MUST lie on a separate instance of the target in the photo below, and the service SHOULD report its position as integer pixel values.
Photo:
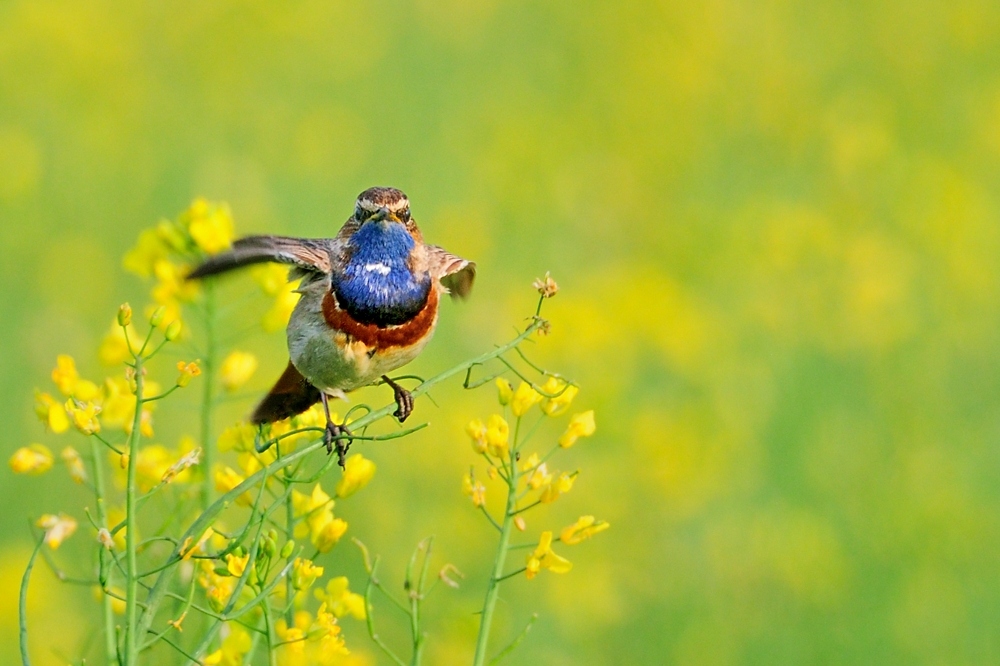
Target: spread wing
(307, 255)
(455, 273)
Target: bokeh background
(775, 229)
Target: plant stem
(208, 372)
(493, 589)
(22, 614)
(131, 531)
(110, 647)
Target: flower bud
(157, 317)
(270, 547)
(287, 549)
(173, 330)
(124, 314)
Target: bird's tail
(291, 395)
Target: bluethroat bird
(368, 305)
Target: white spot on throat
(378, 267)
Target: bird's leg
(404, 399)
(335, 433)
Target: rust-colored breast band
(371, 335)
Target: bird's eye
(404, 215)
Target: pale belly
(329, 361)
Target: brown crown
(375, 197)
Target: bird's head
(382, 204)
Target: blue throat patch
(377, 285)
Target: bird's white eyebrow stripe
(378, 267)
(372, 207)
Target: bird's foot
(337, 436)
(404, 400)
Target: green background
(775, 229)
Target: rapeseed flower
(563, 393)
(584, 528)
(497, 436)
(31, 459)
(477, 431)
(84, 416)
(358, 471)
(525, 397)
(581, 425)
(304, 573)
(543, 557)
(188, 371)
(504, 391)
(51, 412)
(340, 600)
(474, 489)
(556, 487)
(235, 646)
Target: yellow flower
(562, 400)
(327, 631)
(552, 491)
(543, 557)
(304, 573)
(530, 462)
(51, 412)
(171, 287)
(504, 391)
(188, 371)
(235, 646)
(65, 375)
(584, 528)
(497, 435)
(227, 478)
(328, 533)
(31, 459)
(340, 600)
(84, 416)
(57, 528)
(477, 431)
(358, 471)
(237, 565)
(581, 425)
(474, 489)
(237, 369)
(539, 477)
(74, 463)
(211, 226)
(525, 397)
(312, 507)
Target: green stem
(110, 648)
(131, 530)
(207, 396)
(22, 610)
(493, 589)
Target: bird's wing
(455, 273)
(307, 255)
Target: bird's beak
(381, 215)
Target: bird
(368, 305)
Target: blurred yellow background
(775, 229)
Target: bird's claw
(404, 400)
(339, 436)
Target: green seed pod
(222, 571)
